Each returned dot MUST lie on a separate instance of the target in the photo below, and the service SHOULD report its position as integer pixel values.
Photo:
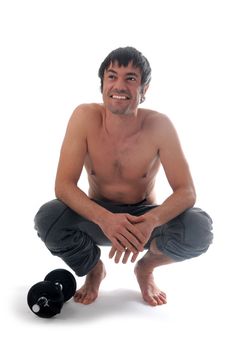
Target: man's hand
(145, 227)
(122, 231)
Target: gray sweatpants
(76, 240)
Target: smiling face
(122, 89)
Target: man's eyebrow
(132, 73)
(129, 73)
(111, 71)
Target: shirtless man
(122, 147)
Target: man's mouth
(119, 97)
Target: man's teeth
(119, 97)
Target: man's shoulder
(87, 113)
(88, 109)
(154, 119)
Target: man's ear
(145, 88)
(143, 92)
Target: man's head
(124, 56)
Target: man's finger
(112, 252)
(115, 252)
(129, 241)
(118, 255)
(134, 257)
(118, 245)
(135, 219)
(135, 236)
(126, 256)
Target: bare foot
(150, 292)
(89, 291)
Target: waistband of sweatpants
(144, 201)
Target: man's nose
(120, 85)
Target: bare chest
(113, 160)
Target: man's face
(122, 90)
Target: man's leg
(144, 273)
(184, 237)
(74, 239)
(90, 289)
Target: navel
(118, 167)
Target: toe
(77, 296)
(150, 300)
(163, 299)
(77, 299)
(163, 295)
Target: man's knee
(187, 236)
(198, 226)
(47, 216)
(197, 230)
(60, 229)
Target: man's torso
(122, 169)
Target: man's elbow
(64, 189)
(191, 197)
(60, 189)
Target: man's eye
(111, 76)
(131, 78)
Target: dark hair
(123, 56)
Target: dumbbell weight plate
(66, 281)
(45, 299)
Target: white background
(50, 55)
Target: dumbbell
(46, 298)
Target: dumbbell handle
(41, 302)
(59, 285)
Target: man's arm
(118, 228)
(72, 156)
(178, 175)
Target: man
(122, 147)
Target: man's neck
(122, 126)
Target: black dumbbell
(46, 298)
